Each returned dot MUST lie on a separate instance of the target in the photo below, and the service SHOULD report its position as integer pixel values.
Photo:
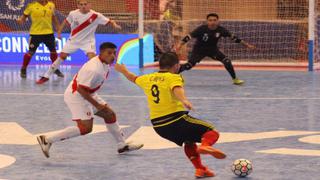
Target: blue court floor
(273, 120)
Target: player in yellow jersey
(42, 15)
(168, 112)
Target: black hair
(213, 15)
(168, 60)
(107, 45)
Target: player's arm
(84, 92)
(26, 13)
(121, 68)
(59, 31)
(195, 33)
(178, 91)
(236, 39)
(56, 22)
(114, 24)
(183, 42)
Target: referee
(207, 37)
(42, 14)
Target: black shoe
(58, 73)
(23, 73)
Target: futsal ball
(241, 167)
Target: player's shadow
(250, 178)
(130, 155)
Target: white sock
(69, 132)
(117, 134)
(54, 66)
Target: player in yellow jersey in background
(42, 15)
(168, 112)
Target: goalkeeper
(207, 37)
(81, 97)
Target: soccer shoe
(58, 73)
(23, 73)
(212, 151)
(237, 81)
(129, 147)
(45, 146)
(42, 80)
(206, 172)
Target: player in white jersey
(83, 23)
(82, 99)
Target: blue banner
(13, 46)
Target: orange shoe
(201, 173)
(212, 151)
(42, 80)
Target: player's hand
(177, 48)
(117, 27)
(20, 21)
(250, 46)
(120, 67)
(59, 35)
(187, 104)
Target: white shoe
(129, 147)
(45, 146)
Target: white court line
(197, 98)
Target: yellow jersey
(41, 17)
(158, 88)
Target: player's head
(169, 61)
(84, 6)
(108, 52)
(212, 20)
(42, 1)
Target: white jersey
(83, 26)
(91, 77)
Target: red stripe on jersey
(107, 75)
(67, 21)
(84, 24)
(91, 90)
(74, 84)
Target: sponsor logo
(15, 7)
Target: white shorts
(80, 108)
(72, 46)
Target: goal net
(278, 28)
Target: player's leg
(68, 48)
(228, 65)
(113, 127)
(34, 42)
(83, 127)
(82, 114)
(204, 132)
(167, 128)
(89, 49)
(191, 151)
(194, 58)
(49, 41)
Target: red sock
(193, 155)
(209, 138)
(26, 60)
(53, 56)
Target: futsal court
(272, 120)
